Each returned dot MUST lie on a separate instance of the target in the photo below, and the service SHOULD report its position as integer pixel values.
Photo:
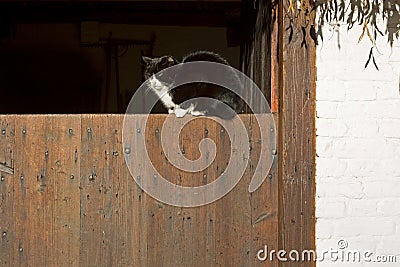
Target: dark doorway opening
(84, 57)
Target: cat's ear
(146, 60)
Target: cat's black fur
(188, 91)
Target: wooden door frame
(296, 72)
(292, 93)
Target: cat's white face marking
(156, 84)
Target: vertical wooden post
(296, 139)
(275, 60)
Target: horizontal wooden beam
(191, 13)
(82, 1)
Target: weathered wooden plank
(264, 208)
(63, 173)
(297, 140)
(46, 199)
(26, 151)
(181, 226)
(33, 193)
(7, 128)
(164, 223)
(232, 211)
(113, 226)
(124, 192)
(96, 199)
(275, 57)
(133, 207)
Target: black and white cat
(178, 100)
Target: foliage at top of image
(379, 18)
(363, 12)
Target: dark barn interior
(84, 57)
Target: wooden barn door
(68, 199)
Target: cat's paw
(180, 112)
(197, 113)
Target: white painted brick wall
(358, 147)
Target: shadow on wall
(48, 81)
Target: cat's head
(154, 65)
